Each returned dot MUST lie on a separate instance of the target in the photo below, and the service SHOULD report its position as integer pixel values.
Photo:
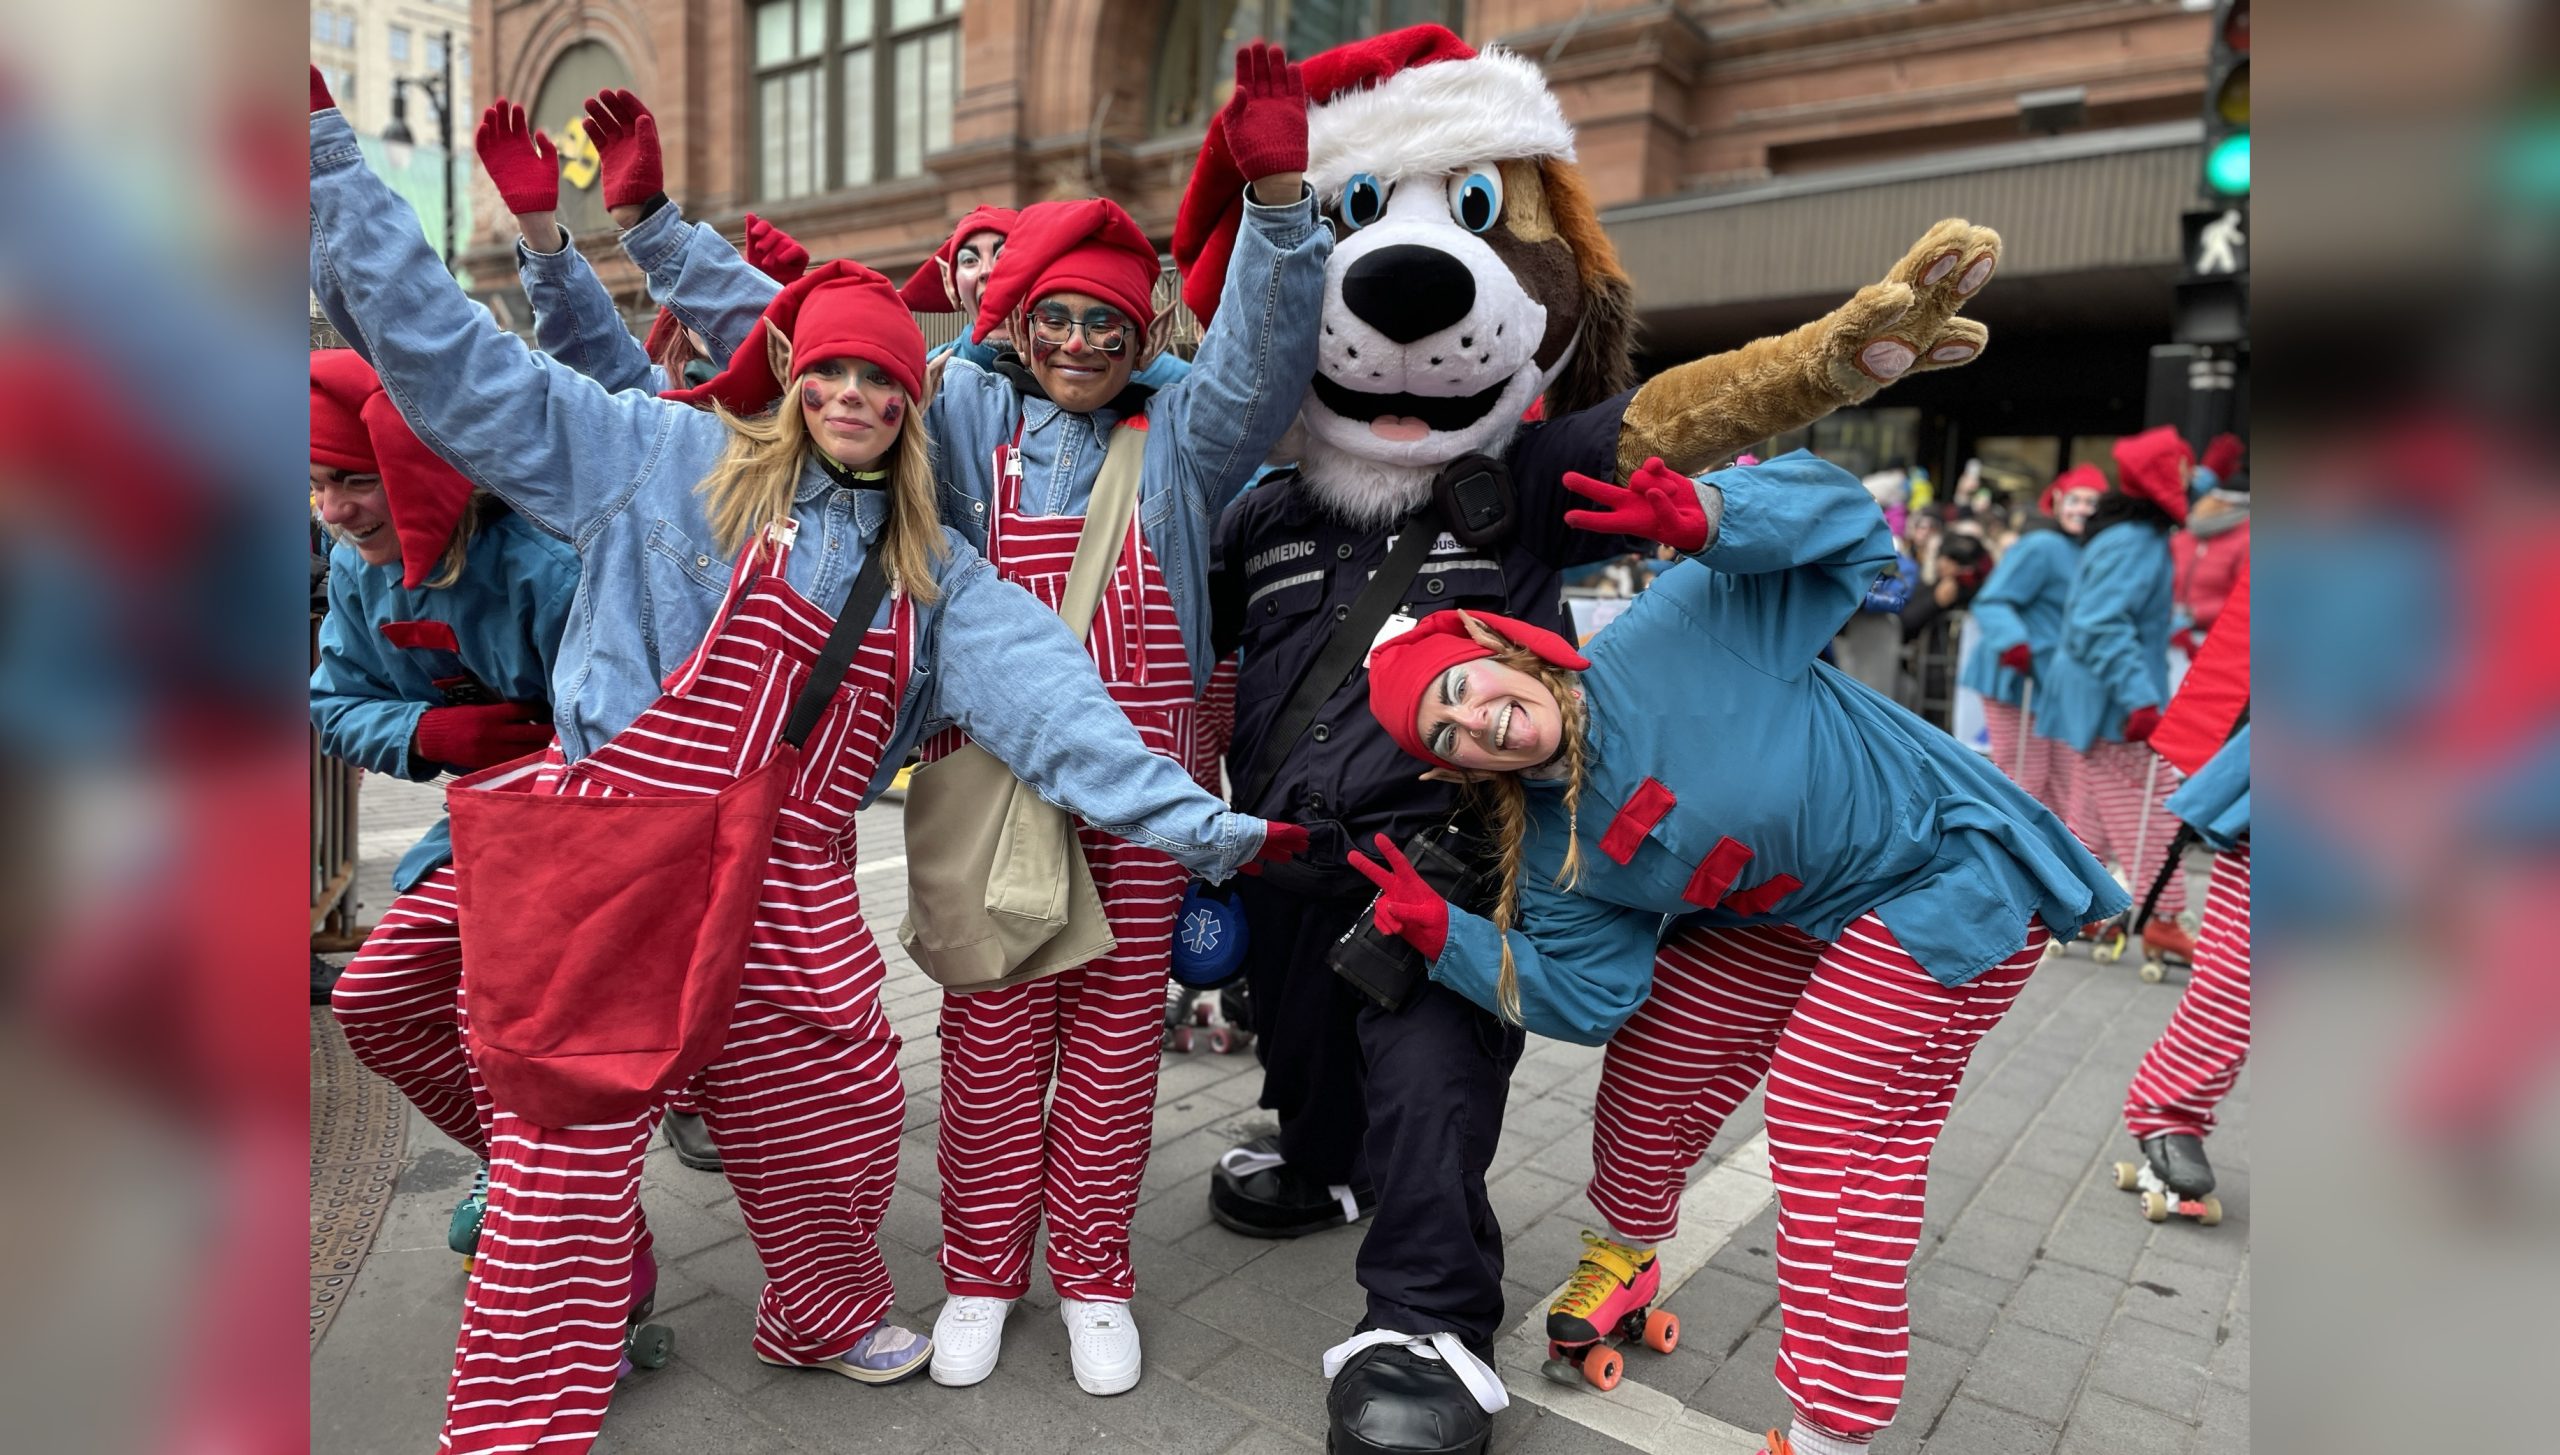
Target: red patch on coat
(1759, 897)
(1716, 873)
(1645, 808)
(421, 634)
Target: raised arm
(1019, 683)
(700, 277)
(2117, 571)
(1255, 361)
(550, 442)
(574, 319)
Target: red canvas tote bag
(603, 938)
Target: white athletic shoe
(967, 1336)
(1105, 1343)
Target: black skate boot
(1404, 1399)
(1257, 1194)
(692, 1141)
(2178, 1159)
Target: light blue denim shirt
(614, 475)
(1208, 431)
(574, 319)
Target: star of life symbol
(2218, 244)
(1201, 932)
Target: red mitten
(2020, 658)
(2185, 640)
(2223, 455)
(1406, 906)
(1281, 842)
(321, 100)
(626, 138)
(1266, 119)
(2140, 724)
(481, 734)
(522, 161)
(1658, 503)
(773, 252)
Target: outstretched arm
(1699, 414)
(1583, 965)
(359, 712)
(1797, 541)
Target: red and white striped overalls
(1095, 1032)
(2118, 827)
(2192, 1067)
(2033, 760)
(1862, 1049)
(397, 1003)
(804, 1100)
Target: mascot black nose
(1408, 291)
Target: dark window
(851, 92)
(1198, 66)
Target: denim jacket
(614, 475)
(1208, 432)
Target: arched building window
(851, 92)
(1198, 66)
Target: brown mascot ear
(1603, 361)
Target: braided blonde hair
(1504, 800)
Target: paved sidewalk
(2047, 1314)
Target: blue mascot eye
(1364, 199)
(1475, 200)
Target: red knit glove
(1266, 119)
(2223, 456)
(626, 138)
(522, 161)
(1406, 906)
(482, 734)
(1658, 503)
(321, 100)
(774, 253)
(2185, 640)
(2020, 658)
(2140, 724)
(1281, 842)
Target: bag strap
(1106, 519)
(843, 639)
(1345, 650)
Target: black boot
(1260, 1196)
(324, 978)
(2178, 1159)
(692, 1141)
(1393, 1400)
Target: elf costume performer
(2019, 611)
(1852, 957)
(1471, 281)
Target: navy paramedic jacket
(1284, 571)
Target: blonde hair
(1504, 801)
(753, 485)
(475, 512)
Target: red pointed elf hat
(355, 426)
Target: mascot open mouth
(1395, 416)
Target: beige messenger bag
(998, 892)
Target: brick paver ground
(2048, 1316)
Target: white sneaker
(1104, 1340)
(967, 1336)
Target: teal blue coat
(2115, 639)
(2022, 602)
(1734, 779)
(2215, 802)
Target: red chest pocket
(1721, 867)
(431, 635)
(1645, 808)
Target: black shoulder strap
(843, 640)
(1345, 650)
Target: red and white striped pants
(2035, 767)
(1097, 1032)
(2190, 1069)
(398, 1003)
(2111, 820)
(1862, 1049)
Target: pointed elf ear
(777, 353)
(950, 281)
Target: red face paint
(892, 412)
(811, 397)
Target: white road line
(1711, 1211)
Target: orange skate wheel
(1662, 1331)
(1603, 1366)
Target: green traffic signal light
(2226, 166)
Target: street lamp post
(439, 89)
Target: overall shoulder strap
(843, 639)
(1106, 519)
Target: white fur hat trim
(1437, 118)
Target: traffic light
(2226, 105)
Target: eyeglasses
(1105, 330)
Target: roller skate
(2165, 942)
(1608, 1302)
(2173, 1177)
(645, 1345)
(462, 1234)
(1197, 1019)
(2106, 939)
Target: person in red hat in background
(810, 471)
(954, 280)
(1852, 957)
(2101, 695)
(2211, 554)
(2019, 611)
(445, 616)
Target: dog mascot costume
(1471, 281)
